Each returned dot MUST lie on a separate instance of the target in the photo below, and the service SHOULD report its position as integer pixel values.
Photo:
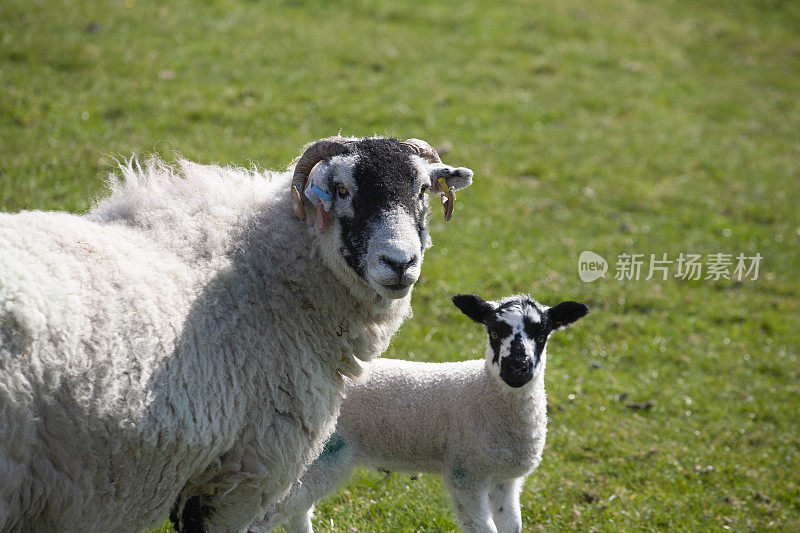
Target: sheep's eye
(342, 191)
(493, 335)
(422, 191)
(542, 338)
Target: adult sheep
(189, 336)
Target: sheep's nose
(399, 267)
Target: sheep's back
(194, 210)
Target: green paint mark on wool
(459, 472)
(333, 448)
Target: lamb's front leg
(505, 505)
(471, 499)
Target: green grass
(630, 126)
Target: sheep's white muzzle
(394, 257)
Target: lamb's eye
(493, 335)
(422, 192)
(541, 338)
(342, 191)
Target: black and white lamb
(187, 339)
(479, 423)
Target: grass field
(612, 126)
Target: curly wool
(186, 333)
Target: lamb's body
(481, 423)
(450, 418)
(127, 342)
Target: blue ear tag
(323, 200)
(322, 194)
(318, 195)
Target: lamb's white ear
(456, 177)
(474, 307)
(565, 313)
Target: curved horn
(320, 150)
(423, 149)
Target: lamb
(188, 338)
(480, 423)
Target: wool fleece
(189, 335)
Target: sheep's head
(371, 205)
(518, 328)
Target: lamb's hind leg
(505, 505)
(326, 473)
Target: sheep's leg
(233, 509)
(471, 499)
(326, 473)
(505, 505)
(192, 519)
(299, 523)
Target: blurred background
(619, 127)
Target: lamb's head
(371, 206)
(518, 328)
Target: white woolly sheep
(188, 338)
(479, 423)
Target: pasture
(618, 127)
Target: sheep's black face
(386, 214)
(380, 211)
(518, 328)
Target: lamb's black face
(518, 333)
(380, 211)
(518, 328)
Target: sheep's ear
(474, 307)
(458, 178)
(566, 313)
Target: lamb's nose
(522, 369)
(399, 267)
